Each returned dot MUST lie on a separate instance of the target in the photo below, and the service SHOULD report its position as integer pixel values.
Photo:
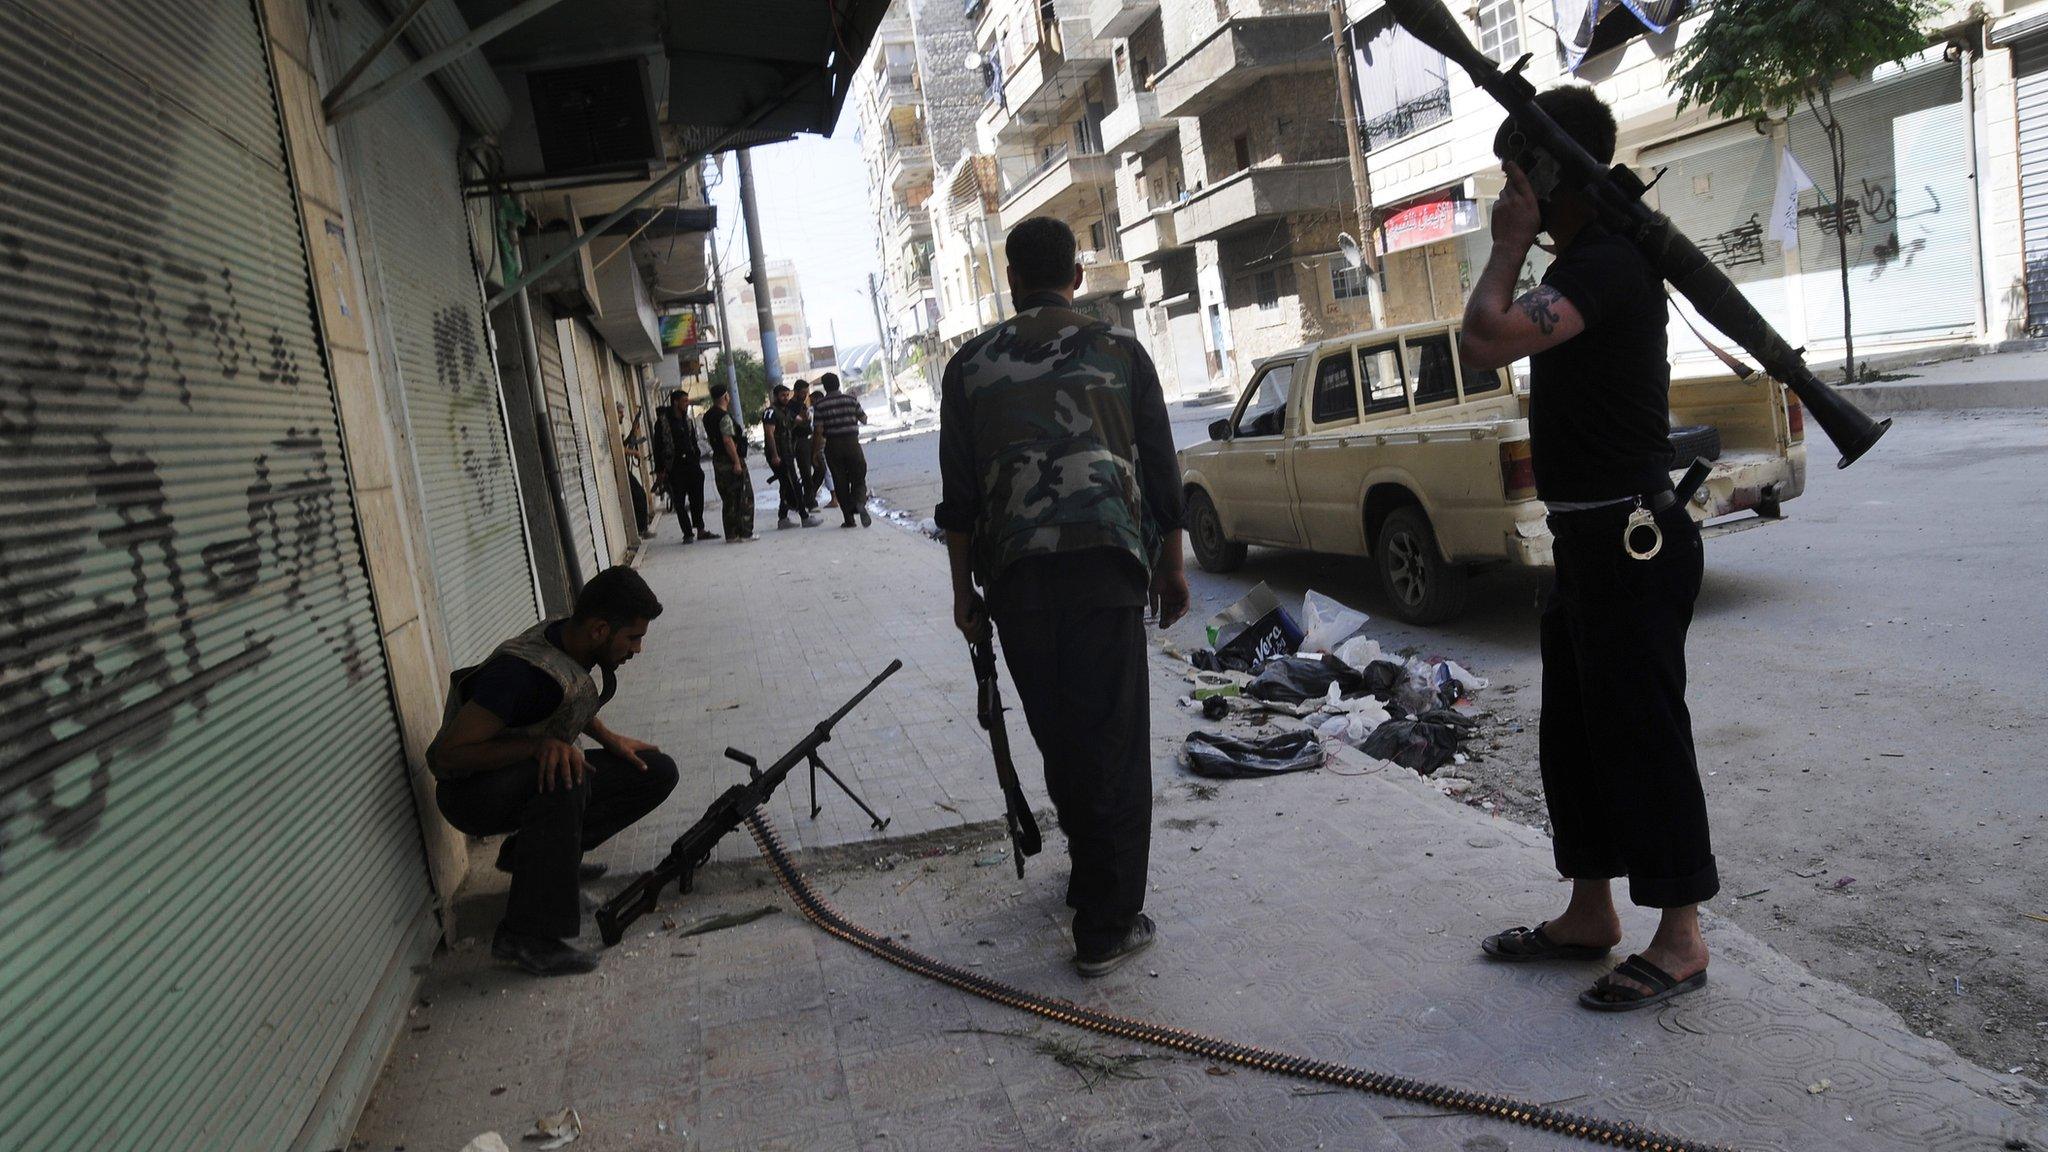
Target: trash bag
(1294, 679)
(1359, 652)
(1223, 757)
(1422, 744)
(1381, 677)
(1326, 623)
(1210, 660)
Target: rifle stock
(1617, 194)
(727, 812)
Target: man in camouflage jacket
(1062, 502)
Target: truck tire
(1423, 586)
(1213, 551)
(1694, 440)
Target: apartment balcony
(909, 225)
(1103, 274)
(1239, 54)
(1065, 184)
(897, 87)
(1137, 124)
(1260, 193)
(910, 163)
(1151, 235)
(1112, 18)
(968, 317)
(1028, 94)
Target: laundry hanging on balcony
(1584, 27)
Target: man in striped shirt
(838, 418)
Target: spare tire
(1694, 440)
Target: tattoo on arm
(1537, 306)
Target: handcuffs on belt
(1645, 517)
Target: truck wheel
(1425, 588)
(1213, 551)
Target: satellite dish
(1353, 255)
(972, 62)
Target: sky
(813, 197)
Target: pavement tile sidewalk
(1326, 915)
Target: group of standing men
(809, 439)
(804, 439)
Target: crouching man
(506, 763)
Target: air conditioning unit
(584, 119)
(571, 286)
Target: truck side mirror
(1219, 429)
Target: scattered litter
(1222, 757)
(1844, 882)
(1216, 707)
(1359, 652)
(1297, 679)
(556, 1131)
(2035, 916)
(992, 859)
(488, 1142)
(1219, 1070)
(1200, 791)
(1820, 1086)
(1254, 629)
(1209, 684)
(1326, 623)
(729, 920)
(1810, 871)
(500, 1090)
(1959, 985)
(1748, 895)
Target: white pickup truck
(1377, 444)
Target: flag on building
(1792, 180)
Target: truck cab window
(1336, 395)
(1435, 375)
(1383, 388)
(1265, 409)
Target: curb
(1894, 399)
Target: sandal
(1610, 995)
(1521, 945)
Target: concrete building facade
(786, 300)
(1198, 150)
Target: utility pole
(1361, 176)
(888, 353)
(771, 356)
(732, 372)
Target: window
(1430, 365)
(1241, 148)
(1382, 368)
(1097, 239)
(1403, 84)
(1500, 36)
(778, 293)
(784, 330)
(1336, 395)
(1265, 409)
(1266, 288)
(1346, 282)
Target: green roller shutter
(210, 864)
(571, 455)
(414, 232)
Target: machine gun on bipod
(729, 811)
(1616, 193)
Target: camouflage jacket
(1053, 437)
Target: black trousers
(789, 487)
(1080, 677)
(686, 493)
(809, 473)
(554, 828)
(639, 502)
(849, 466)
(1619, 774)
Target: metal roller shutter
(209, 857)
(1718, 189)
(414, 233)
(2031, 66)
(578, 490)
(1913, 268)
(589, 380)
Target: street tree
(753, 378)
(1749, 59)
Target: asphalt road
(1868, 701)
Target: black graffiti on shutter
(480, 454)
(94, 680)
(1742, 244)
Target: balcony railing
(1407, 117)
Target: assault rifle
(1542, 149)
(726, 813)
(988, 706)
